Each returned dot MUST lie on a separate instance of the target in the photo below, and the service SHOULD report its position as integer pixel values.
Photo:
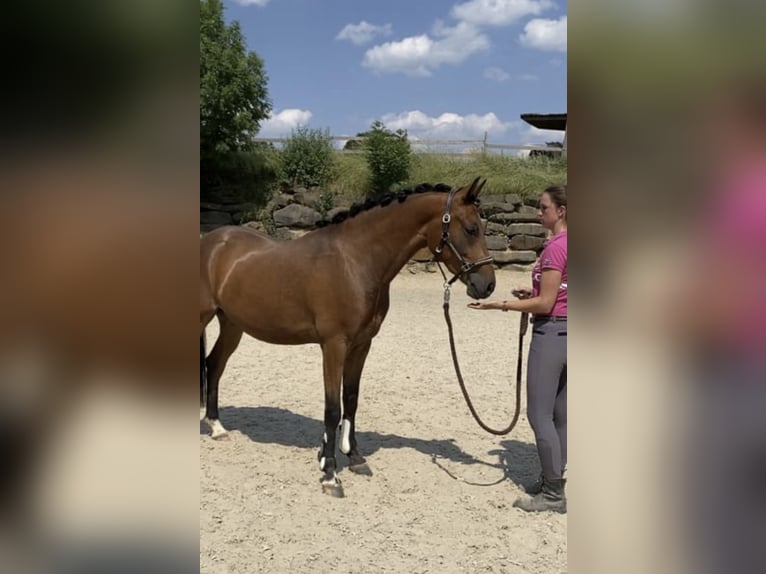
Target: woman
(722, 339)
(547, 364)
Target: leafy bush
(326, 202)
(388, 157)
(308, 157)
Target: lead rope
(522, 332)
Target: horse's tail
(202, 372)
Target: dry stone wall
(513, 231)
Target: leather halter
(465, 266)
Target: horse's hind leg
(202, 373)
(206, 314)
(228, 340)
(352, 374)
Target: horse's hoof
(361, 469)
(335, 490)
(217, 430)
(221, 437)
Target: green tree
(388, 157)
(233, 92)
(233, 102)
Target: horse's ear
(474, 190)
(481, 186)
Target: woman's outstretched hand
(520, 293)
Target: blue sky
(440, 69)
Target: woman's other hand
(522, 293)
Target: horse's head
(458, 241)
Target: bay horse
(331, 287)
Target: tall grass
(351, 179)
(504, 174)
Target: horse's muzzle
(480, 285)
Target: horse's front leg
(333, 358)
(352, 374)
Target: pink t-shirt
(554, 256)
(737, 231)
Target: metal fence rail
(437, 146)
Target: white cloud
(282, 124)
(498, 12)
(448, 125)
(363, 33)
(550, 35)
(452, 126)
(496, 74)
(420, 55)
(252, 2)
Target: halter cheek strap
(465, 266)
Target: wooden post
(564, 146)
(484, 144)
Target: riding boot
(551, 498)
(537, 486)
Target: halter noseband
(465, 266)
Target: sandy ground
(441, 494)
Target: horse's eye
(473, 231)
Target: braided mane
(382, 201)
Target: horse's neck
(385, 238)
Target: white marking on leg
(333, 481)
(202, 413)
(345, 432)
(216, 428)
(322, 462)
